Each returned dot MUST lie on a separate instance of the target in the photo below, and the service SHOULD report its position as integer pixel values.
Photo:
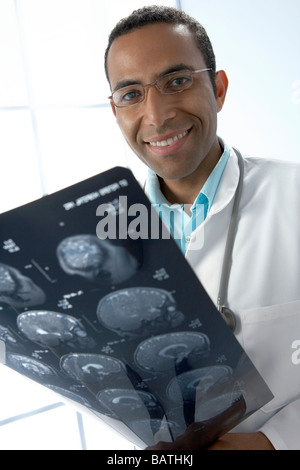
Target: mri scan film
(118, 324)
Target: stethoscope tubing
(228, 314)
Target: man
(166, 95)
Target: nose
(157, 108)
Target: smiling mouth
(169, 141)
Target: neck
(186, 189)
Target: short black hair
(162, 14)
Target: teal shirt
(177, 220)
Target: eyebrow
(173, 68)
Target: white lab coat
(264, 284)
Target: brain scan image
(127, 403)
(139, 310)
(177, 349)
(96, 370)
(71, 395)
(53, 329)
(155, 430)
(6, 336)
(30, 367)
(194, 384)
(96, 260)
(213, 408)
(11, 342)
(18, 290)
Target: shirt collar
(154, 191)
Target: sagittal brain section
(214, 407)
(139, 310)
(96, 260)
(53, 329)
(9, 338)
(30, 367)
(172, 350)
(96, 371)
(18, 290)
(129, 403)
(195, 384)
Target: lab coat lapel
(206, 249)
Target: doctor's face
(172, 134)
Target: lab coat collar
(227, 187)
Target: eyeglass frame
(154, 83)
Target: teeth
(170, 141)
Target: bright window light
(13, 90)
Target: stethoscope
(226, 313)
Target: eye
(177, 82)
(129, 96)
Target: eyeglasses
(168, 84)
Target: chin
(176, 174)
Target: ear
(222, 86)
(113, 107)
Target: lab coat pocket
(270, 336)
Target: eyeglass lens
(168, 84)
